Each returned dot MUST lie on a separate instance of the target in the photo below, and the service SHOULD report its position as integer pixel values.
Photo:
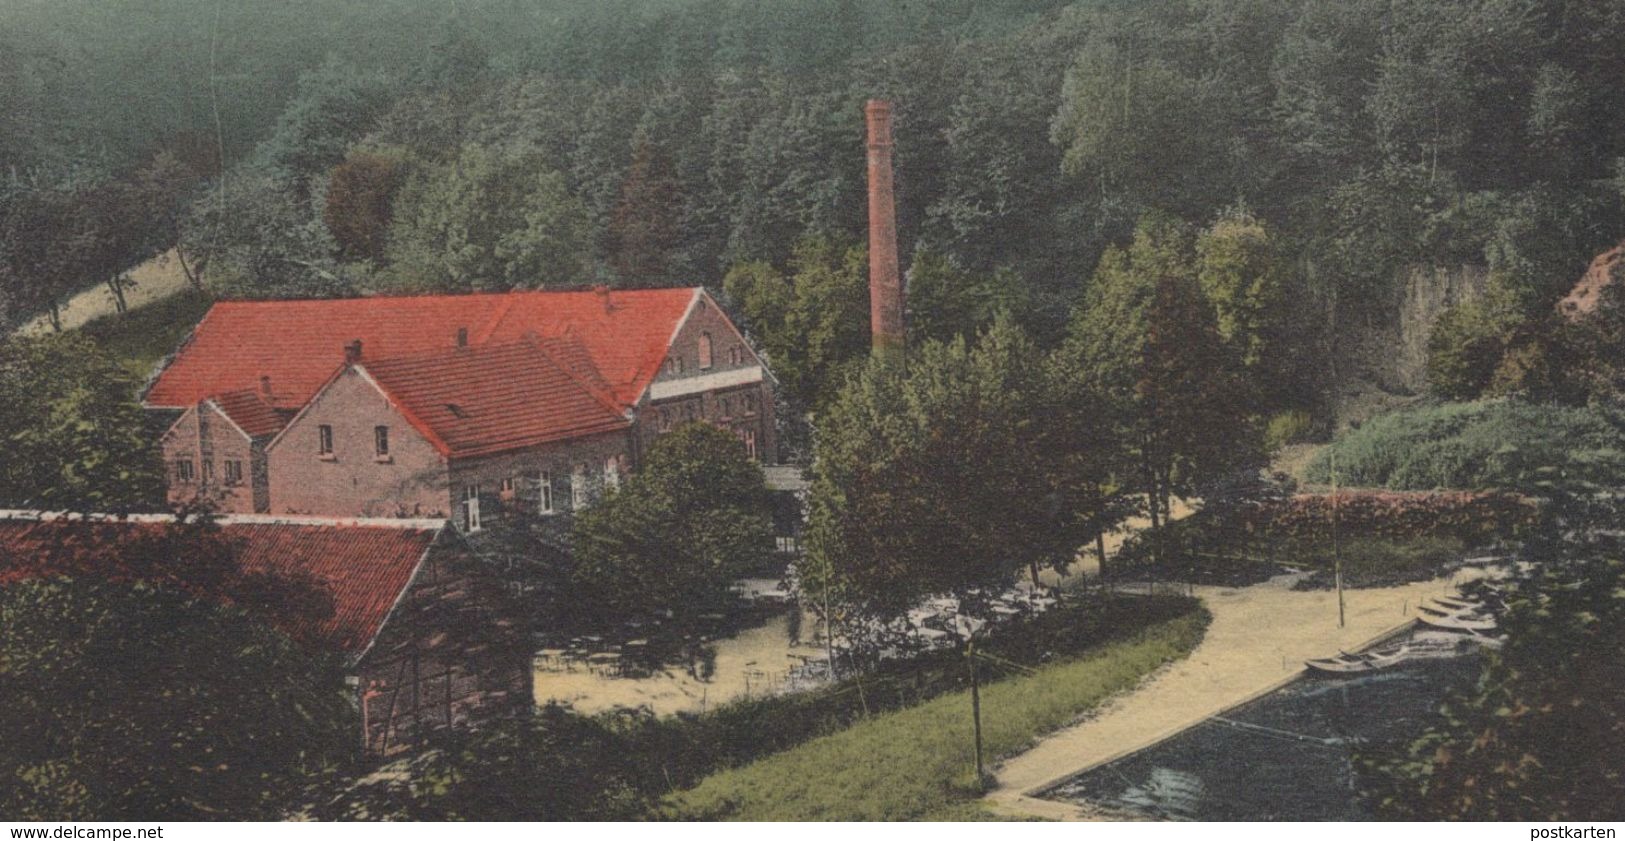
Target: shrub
(1290, 427)
(1506, 444)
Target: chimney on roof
(603, 296)
(352, 352)
(265, 386)
(885, 281)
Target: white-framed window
(234, 472)
(183, 471)
(578, 487)
(544, 503)
(471, 508)
(324, 440)
(705, 351)
(380, 441)
(505, 489)
(612, 473)
(749, 437)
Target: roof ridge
(606, 399)
(509, 299)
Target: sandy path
(1258, 641)
(154, 280)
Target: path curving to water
(1256, 643)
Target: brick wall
(412, 481)
(209, 441)
(740, 408)
(508, 480)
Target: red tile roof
(495, 397)
(255, 417)
(365, 568)
(297, 344)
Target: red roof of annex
(364, 565)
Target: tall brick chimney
(885, 281)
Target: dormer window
(456, 411)
(462, 337)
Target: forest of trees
(1136, 235)
(650, 142)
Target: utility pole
(1337, 555)
(975, 706)
(967, 627)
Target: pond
(1286, 756)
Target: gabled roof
(295, 345)
(249, 411)
(365, 566)
(494, 397)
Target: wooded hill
(655, 141)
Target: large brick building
(447, 406)
(425, 628)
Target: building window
(749, 437)
(471, 508)
(505, 490)
(183, 471)
(578, 487)
(612, 472)
(750, 403)
(380, 442)
(234, 472)
(705, 351)
(208, 471)
(545, 504)
(727, 407)
(324, 440)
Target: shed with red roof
(427, 633)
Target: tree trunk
(191, 277)
(115, 285)
(1100, 549)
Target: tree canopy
(127, 701)
(677, 534)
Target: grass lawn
(142, 337)
(916, 764)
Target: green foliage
(917, 764)
(141, 338)
(1244, 278)
(677, 534)
(945, 301)
(814, 323)
(1487, 444)
(1536, 736)
(74, 435)
(129, 702)
(487, 221)
(1144, 353)
(252, 235)
(361, 202)
(553, 767)
(643, 233)
(1290, 427)
(942, 473)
